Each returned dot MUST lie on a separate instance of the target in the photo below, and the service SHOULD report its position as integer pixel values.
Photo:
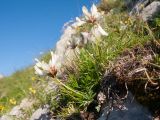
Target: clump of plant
(87, 70)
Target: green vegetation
(85, 73)
(15, 87)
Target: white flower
(78, 23)
(103, 32)
(98, 31)
(42, 65)
(42, 68)
(38, 71)
(93, 15)
(54, 60)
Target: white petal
(95, 32)
(78, 19)
(52, 55)
(78, 22)
(94, 10)
(36, 60)
(42, 65)
(39, 64)
(104, 33)
(38, 71)
(86, 13)
(54, 59)
(45, 66)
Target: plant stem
(68, 88)
(154, 65)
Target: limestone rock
(151, 11)
(147, 9)
(130, 3)
(51, 86)
(130, 109)
(26, 103)
(138, 6)
(41, 114)
(5, 117)
(16, 111)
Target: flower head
(33, 91)
(78, 23)
(42, 68)
(1, 108)
(93, 15)
(33, 78)
(98, 31)
(12, 101)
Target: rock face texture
(130, 4)
(130, 110)
(41, 114)
(5, 117)
(18, 111)
(147, 9)
(151, 11)
(138, 6)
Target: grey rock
(146, 9)
(130, 3)
(130, 110)
(51, 87)
(16, 111)
(138, 6)
(5, 117)
(26, 103)
(151, 11)
(41, 114)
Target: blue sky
(28, 27)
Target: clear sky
(28, 27)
